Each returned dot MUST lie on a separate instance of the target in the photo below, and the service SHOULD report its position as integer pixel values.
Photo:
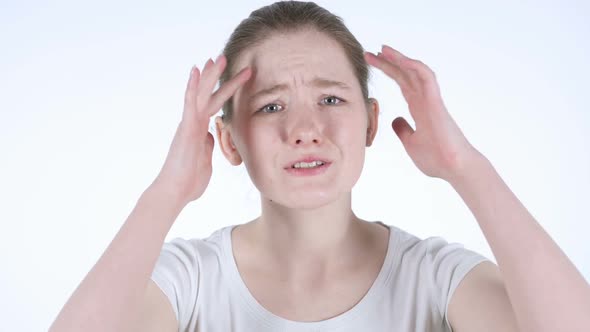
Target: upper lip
(307, 159)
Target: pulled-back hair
(291, 16)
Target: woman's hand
(187, 169)
(437, 146)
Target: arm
(545, 289)
(480, 302)
(115, 295)
(111, 295)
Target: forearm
(109, 296)
(546, 290)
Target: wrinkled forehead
(295, 58)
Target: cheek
(259, 147)
(352, 137)
(260, 134)
(350, 131)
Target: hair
(291, 16)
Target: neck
(301, 236)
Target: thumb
(209, 142)
(402, 129)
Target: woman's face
(303, 101)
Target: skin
(318, 254)
(306, 223)
(307, 246)
(534, 287)
(306, 227)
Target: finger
(419, 71)
(209, 143)
(404, 64)
(388, 68)
(402, 129)
(410, 75)
(414, 79)
(210, 78)
(393, 55)
(228, 89)
(204, 71)
(190, 94)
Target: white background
(91, 94)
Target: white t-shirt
(411, 292)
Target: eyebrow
(317, 82)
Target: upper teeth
(308, 165)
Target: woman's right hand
(187, 169)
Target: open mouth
(308, 168)
(313, 164)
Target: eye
(270, 108)
(332, 100)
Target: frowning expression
(302, 104)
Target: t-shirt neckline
(271, 320)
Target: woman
(297, 113)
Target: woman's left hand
(437, 146)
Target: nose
(302, 141)
(305, 129)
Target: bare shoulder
(481, 303)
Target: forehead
(295, 58)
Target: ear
(226, 143)
(373, 119)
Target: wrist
(164, 196)
(468, 168)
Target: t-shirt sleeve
(177, 274)
(451, 263)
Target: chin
(310, 195)
(306, 201)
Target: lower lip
(308, 171)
